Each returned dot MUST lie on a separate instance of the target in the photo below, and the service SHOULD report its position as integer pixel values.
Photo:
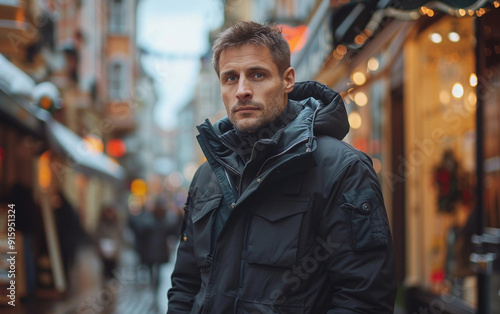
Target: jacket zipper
(280, 154)
(234, 188)
(213, 242)
(243, 262)
(217, 158)
(208, 299)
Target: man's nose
(244, 91)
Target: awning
(352, 22)
(37, 122)
(416, 4)
(363, 18)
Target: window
(117, 81)
(117, 17)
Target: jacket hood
(331, 118)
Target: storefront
(55, 181)
(412, 86)
(451, 132)
(440, 139)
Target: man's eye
(259, 75)
(231, 78)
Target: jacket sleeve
(186, 279)
(361, 264)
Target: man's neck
(248, 139)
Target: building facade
(79, 88)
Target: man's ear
(289, 79)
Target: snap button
(258, 180)
(233, 205)
(365, 208)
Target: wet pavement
(128, 293)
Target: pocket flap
(203, 207)
(276, 209)
(365, 201)
(368, 230)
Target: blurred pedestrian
(138, 224)
(157, 251)
(71, 233)
(109, 239)
(283, 217)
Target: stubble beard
(266, 114)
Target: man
(283, 217)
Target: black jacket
(300, 228)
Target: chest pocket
(202, 218)
(274, 232)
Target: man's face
(253, 91)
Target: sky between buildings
(176, 32)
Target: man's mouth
(244, 109)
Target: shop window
(117, 16)
(439, 157)
(364, 106)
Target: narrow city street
(117, 119)
(128, 293)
